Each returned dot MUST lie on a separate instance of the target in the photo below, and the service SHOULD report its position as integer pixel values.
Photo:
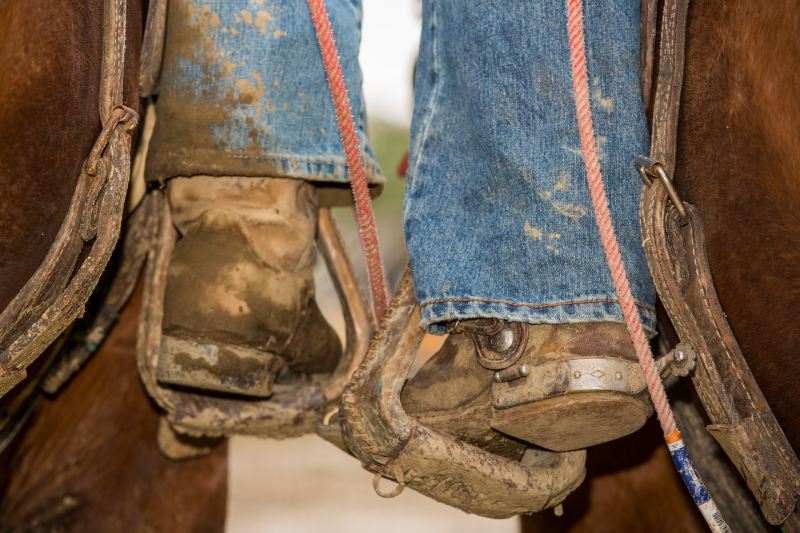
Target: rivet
(577, 374)
(502, 340)
(618, 375)
(511, 373)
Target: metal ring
(673, 194)
(376, 482)
(326, 420)
(643, 166)
(649, 169)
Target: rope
(365, 218)
(594, 177)
(591, 160)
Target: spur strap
(152, 48)
(674, 243)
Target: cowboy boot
(561, 386)
(240, 291)
(452, 392)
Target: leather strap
(647, 42)
(87, 336)
(152, 48)
(57, 292)
(742, 421)
(668, 83)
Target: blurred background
(306, 484)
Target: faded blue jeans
(498, 218)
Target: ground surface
(308, 485)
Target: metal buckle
(649, 169)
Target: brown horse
(87, 462)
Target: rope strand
(362, 206)
(608, 237)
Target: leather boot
(561, 387)
(240, 285)
(452, 392)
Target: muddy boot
(452, 392)
(561, 387)
(239, 307)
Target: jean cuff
(193, 161)
(435, 313)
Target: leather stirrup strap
(57, 292)
(674, 244)
(152, 48)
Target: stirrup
(291, 410)
(376, 429)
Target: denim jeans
(243, 92)
(498, 218)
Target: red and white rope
(365, 218)
(591, 161)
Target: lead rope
(594, 177)
(365, 218)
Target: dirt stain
(552, 249)
(262, 18)
(563, 184)
(534, 232)
(250, 93)
(571, 211)
(605, 103)
(539, 235)
(564, 181)
(247, 18)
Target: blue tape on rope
(701, 497)
(688, 472)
